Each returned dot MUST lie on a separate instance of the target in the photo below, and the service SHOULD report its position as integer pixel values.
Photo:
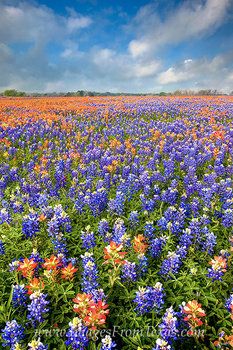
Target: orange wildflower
(139, 244)
(52, 263)
(35, 285)
(27, 267)
(113, 252)
(67, 273)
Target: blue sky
(110, 45)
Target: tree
(14, 93)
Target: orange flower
(27, 267)
(219, 263)
(82, 303)
(92, 313)
(42, 217)
(96, 314)
(193, 311)
(67, 273)
(52, 263)
(94, 319)
(35, 285)
(113, 252)
(139, 244)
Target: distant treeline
(207, 92)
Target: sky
(116, 45)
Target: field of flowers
(116, 219)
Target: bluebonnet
(148, 204)
(117, 204)
(88, 238)
(129, 272)
(172, 219)
(168, 329)
(162, 344)
(142, 266)
(38, 307)
(186, 239)
(229, 304)
(209, 241)
(170, 196)
(149, 299)
(205, 218)
(97, 200)
(89, 274)
(133, 219)
(12, 334)
(107, 343)
(98, 294)
(119, 234)
(149, 230)
(103, 229)
(37, 345)
(195, 228)
(227, 218)
(80, 202)
(173, 262)
(169, 167)
(13, 265)
(42, 200)
(19, 295)
(215, 275)
(156, 246)
(36, 257)
(2, 248)
(195, 206)
(57, 226)
(60, 221)
(4, 216)
(77, 335)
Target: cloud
(41, 50)
(27, 22)
(190, 20)
(206, 73)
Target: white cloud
(206, 73)
(191, 19)
(137, 69)
(78, 22)
(27, 22)
(171, 75)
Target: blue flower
(90, 274)
(162, 344)
(30, 225)
(156, 246)
(88, 239)
(19, 296)
(103, 229)
(129, 272)
(134, 219)
(77, 335)
(38, 307)
(149, 299)
(2, 248)
(229, 304)
(37, 345)
(169, 326)
(142, 266)
(107, 343)
(12, 334)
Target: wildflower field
(116, 219)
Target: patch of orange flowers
(92, 313)
(113, 253)
(194, 313)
